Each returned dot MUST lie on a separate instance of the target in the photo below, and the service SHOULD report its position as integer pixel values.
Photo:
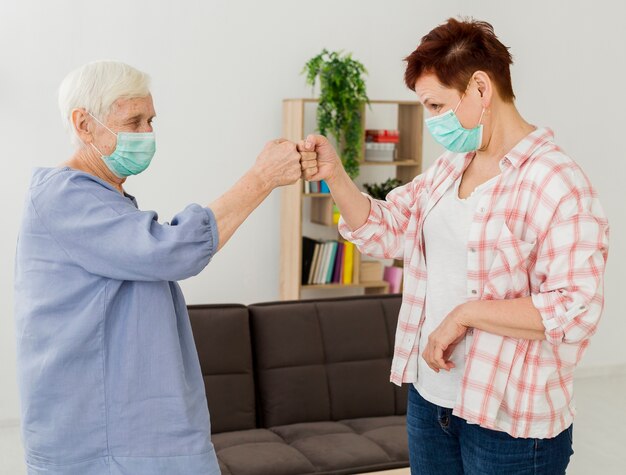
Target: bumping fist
(282, 163)
(325, 165)
(279, 163)
(308, 163)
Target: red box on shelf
(382, 136)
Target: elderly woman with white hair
(109, 377)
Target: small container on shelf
(371, 271)
(380, 145)
(382, 136)
(380, 152)
(336, 214)
(393, 275)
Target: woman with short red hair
(504, 244)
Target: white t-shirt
(446, 231)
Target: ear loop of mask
(91, 143)
(480, 120)
(459, 103)
(462, 97)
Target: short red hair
(457, 49)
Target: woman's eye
(436, 107)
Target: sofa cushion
(222, 337)
(389, 433)
(258, 452)
(329, 359)
(225, 440)
(331, 445)
(349, 446)
(289, 357)
(358, 356)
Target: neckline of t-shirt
(479, 189)
(67, 168)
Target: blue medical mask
(133, 152)
(447, 130)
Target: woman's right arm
(377, 227)
(105, 234)
(277, 165)
(353, 205)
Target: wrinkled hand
(279, 163)
(328, 163)
(443, 340)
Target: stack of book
(316, 187)
(380, 145)
(327, 262)
(382, 136)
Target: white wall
(220, 70)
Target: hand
(279, 164)
(443, 340)
(308, 163)
(328, 162)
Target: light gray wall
(220, 71)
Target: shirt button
(474, 291)
(482, 210)
(582, 307)
(472, 249)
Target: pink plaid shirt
(539, 231)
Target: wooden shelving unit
(407, 165)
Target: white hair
(96, 86)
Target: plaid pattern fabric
(539, 231)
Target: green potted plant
(380, 190)
(341, 102)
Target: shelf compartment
(408, 115)
(363, 285)
(322, 211)
(317, 195)
(395, 163)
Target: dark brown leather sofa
(303, 387)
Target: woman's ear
(82, 125)
(485, 87)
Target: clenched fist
(279, 163)
(326, 165)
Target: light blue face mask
(133, 152)
(447, 130)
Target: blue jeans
(441, 443)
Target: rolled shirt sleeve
(103, 231)
(570, 267)
(383, 234)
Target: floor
(599, 431)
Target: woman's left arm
(569, 269)
(566, 308)
(515, 318)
